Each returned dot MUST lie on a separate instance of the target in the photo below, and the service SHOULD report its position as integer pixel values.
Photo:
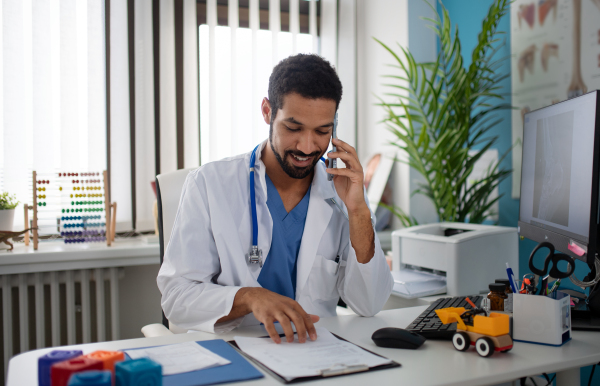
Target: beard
(290, 169)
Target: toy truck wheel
(484, 347)
(461, 341)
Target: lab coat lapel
(317, 219)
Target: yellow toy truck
(486, 333)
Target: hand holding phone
(333, 147)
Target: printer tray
(410, 283)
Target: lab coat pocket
(323, 279)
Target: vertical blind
(52, 91)
(141, 87)
(235, 64)
(165, 127)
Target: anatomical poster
(555, 47)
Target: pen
(511, 278)
(554, 287)
(544, 287)
(337, 261)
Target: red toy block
(62, 371)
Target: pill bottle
(508, 303)
(497, 295)
(506, 282)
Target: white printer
(471, 256)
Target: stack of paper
(180, 358)
(296, 360)
(412, 284)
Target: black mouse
(397, 338)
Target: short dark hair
(309, 75)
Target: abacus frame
(110, 213)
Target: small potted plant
(7, 211)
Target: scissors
(554, 258)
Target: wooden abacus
(110, 209)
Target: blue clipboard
(238, 370)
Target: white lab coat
(205, 262)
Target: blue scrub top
(278, 274)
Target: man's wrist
(246, 296)
(361, 212)
(362, 236)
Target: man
(311, 253)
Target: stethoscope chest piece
(254, 256)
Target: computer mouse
(393, 337)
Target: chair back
(168, 194)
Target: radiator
(47, 309)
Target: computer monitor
(559, 176)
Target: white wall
(346, 69)
(392, 22)
(387, 21)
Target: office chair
(168, 194)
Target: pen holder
(542, 319)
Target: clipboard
(339, 370)
(238, 370)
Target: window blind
(52, 87)
(97, 84)
(235, 65)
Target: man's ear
(265, 108)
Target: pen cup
(542, 319)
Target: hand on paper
(268, 308)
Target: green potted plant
(8, 204)
(440, 114)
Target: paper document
(412, 284)
(296, 360)
(180, 358)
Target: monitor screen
(557, 169)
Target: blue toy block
(45, 363)
(138, 372)
(91, 378)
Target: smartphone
(333, 148)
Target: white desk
(435, 363)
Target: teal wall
(469, 26)
(468, 15)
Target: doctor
(316, 236)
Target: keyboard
(431, 327)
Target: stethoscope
(255, 254)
